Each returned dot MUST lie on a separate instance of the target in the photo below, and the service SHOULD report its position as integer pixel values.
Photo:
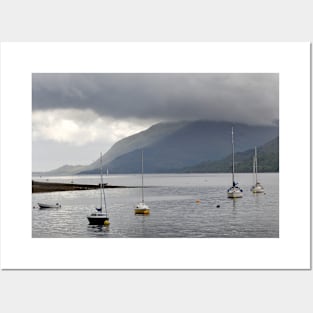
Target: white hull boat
(141, 207)
(257, 187)
(49, 206)
(234, 192)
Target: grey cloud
(247, 98)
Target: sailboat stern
(98, 219)
(257, 188)
(142, 209)
(234, 192)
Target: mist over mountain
(170, 147)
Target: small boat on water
(257, 187)
(98, 217)
(49, 206)
(141, 208)
(234, 191)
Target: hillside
(66, 170)
(169, 147)
(141, 140)
(268, 161)
(124, 146)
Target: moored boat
(141, 207)
(234, 191)
(98, 217)
(257, 187)
(49, 206)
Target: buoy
(106, 222)
(197, 201)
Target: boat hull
(142, 209)
(49, 206)
(234, 195)
(234, 192)
(93, 220)
(257, 190)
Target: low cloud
(80, 127)
(245, 98)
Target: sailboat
(99, 217)
(141, 207)
(257, 187)
(234, 191)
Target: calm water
(174, 211)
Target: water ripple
(180, 206)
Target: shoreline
(38, 187)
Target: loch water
(181, 205)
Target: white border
(20, 251)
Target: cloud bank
(245, 98)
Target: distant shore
(53, 186)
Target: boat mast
(256, 165)
(101, 180)
(142, 176)
(102, 190)
(232, 138)
(253, 165)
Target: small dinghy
(49, 206)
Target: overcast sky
(75, 116)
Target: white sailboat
(257, 187)
(234, 191)
(141, 207)
(99, 217)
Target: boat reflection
(98, 229)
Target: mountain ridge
(184, 144)
(173, 146)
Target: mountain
(169, 147)
(141, 140)
(138, 141)
(66, 170)
(268, 161)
